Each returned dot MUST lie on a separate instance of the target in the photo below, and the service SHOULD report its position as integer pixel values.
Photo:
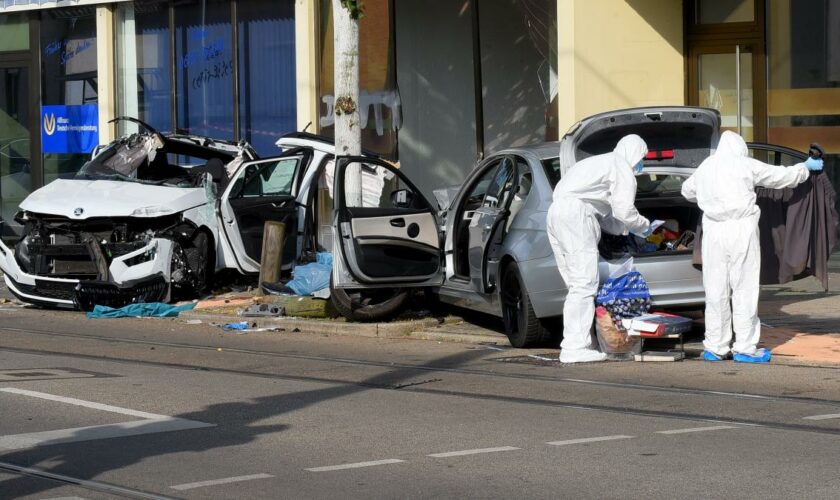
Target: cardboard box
(658, 325)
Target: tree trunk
(348, 135)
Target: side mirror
(402, 198)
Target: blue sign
(69, 129)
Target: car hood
(84, 199)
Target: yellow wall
(623, 53)
(306, 64)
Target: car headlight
(151, 212)
(21, 217)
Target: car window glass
(267, 178)
(500, 186)
(658, 184)
(774, 157)
(479, 188)
(552, 170)
(524, 178)
(374, 186)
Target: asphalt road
(155, 408)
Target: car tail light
(665, 154)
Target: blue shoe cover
(710, 356)
(760, 356)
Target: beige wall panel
(625, 53)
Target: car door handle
(398, 222)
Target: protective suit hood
(731, 144)
(631, 148)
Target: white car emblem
(79, 211)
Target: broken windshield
(152, 159)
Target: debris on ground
(149, 310)
(307, 279)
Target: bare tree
(348, 134)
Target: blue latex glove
(639, 167)
(814, 164)
(647, 232)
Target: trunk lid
(676, 136)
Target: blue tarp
(310, 278)
(152, 310)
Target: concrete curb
(396, 329)
(461, 338)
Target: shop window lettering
(209, 52)
(218, 71)
(67, 49)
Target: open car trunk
(678, 138)
(658, 198)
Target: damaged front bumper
(139, 276)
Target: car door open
(487, 227)
(261, 191)
(386, 233)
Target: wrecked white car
(138, 222)
(152, 216)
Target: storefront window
(379, 100)
(143, 59)
(68, 69)
(15, 164)
(14, 32)
(204, 68)
(455, 80)
(725, 11)
(267, 79)
(803, 98)
(518, 71)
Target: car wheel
(197, 253)
(368, 305)
(522, 326)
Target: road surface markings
(215, 482)
(476, 451)
(588, 440)
(151, 423)
(698, 429)
(823, 417)
(80, 402)
(356, 465)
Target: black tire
(522, 326)
(368, 305)
(198, 253)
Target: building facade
(443, 82)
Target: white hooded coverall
(724, 188)
(597, 192)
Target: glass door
(729, 78)
(15, 143)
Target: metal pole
(738, 84)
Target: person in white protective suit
(596, 193)
(723, 186)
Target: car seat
(216, 168)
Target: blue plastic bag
(625, 294)
(630, 285)
(310, 278)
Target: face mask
(639, 167)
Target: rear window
(552, 170)
(659, 184)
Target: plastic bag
(625, 293)
(313, 277)
(613, 340)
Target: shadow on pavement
(235, 426)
